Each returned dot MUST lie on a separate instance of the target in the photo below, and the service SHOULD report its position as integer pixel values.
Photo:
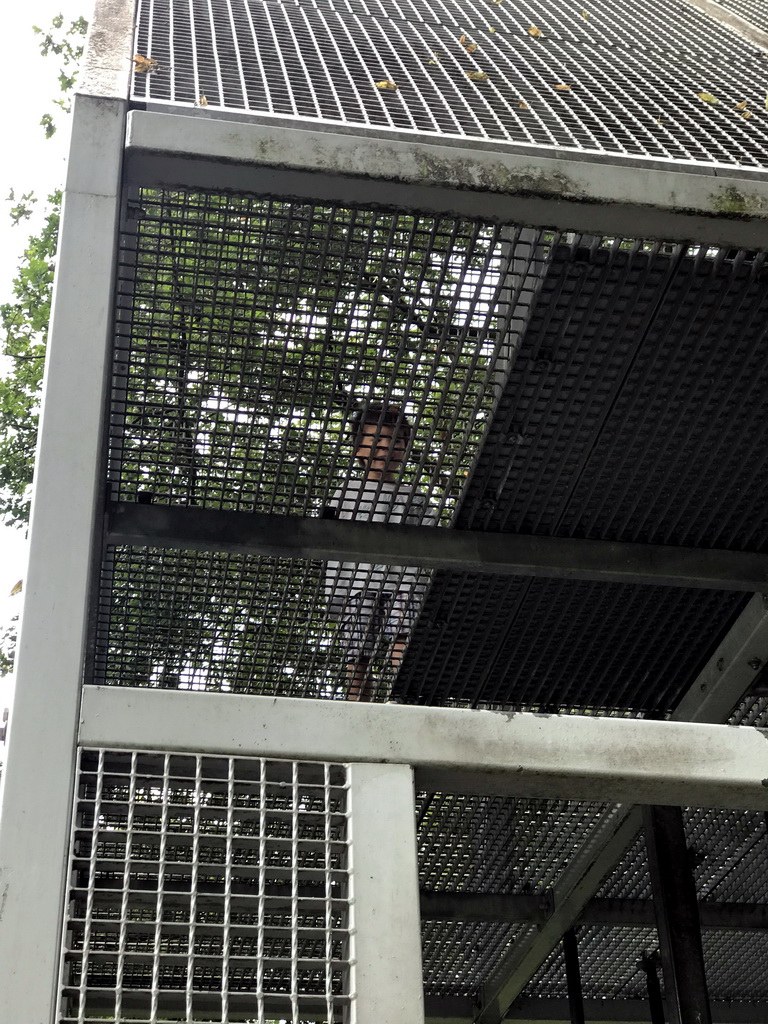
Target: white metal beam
(386, 974)
(612, 195)
(37, 782)
(454, 750)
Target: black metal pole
(655, 1002)
(573, 975)
(677, 916)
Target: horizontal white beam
(610, 195)
(566, 756)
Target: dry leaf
(659, 122)
(16, 589)
(535, 32)
(707, 97)
(522, 105)
(462, 39)
(584, 14)
(766, 102)
(746, 113)
(477, 76)
(563, 88)
(145, 65)
(742, 105)
(386, 84)
(202, 100)
(491, 29)
(495, 3)
(469, 47)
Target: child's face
(381, 448)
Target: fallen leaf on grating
(477, 76)
(202, 100)
(16, 588)
(522, 105)
(584, 14)
(562, 87)
(535, 32)
(386, 84)
(469, 47)
(145, 65)
(707, 97)
(742, 105)
(491, 29)
(746, 113)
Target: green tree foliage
(249, 330)
(67, 45)
(24, 322)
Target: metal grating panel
(640, 374)
(634, 71)
(206, 888)
(460, 956)
(249, 330)
(216, 621)
(753, 11)
(489, 845)
(610, 968)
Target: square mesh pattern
(734, 963)
(234, 623)
(206, 888)
(491, 845)
(633, 71)
(248, 330)
(753, 11)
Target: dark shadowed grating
(634, 75)
(557, 384)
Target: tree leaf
(742, 105)
(386, 84)
(562, 87)
(477, 76)
(707, 97)
(535, 32)
(746, 113)
(584, 14)
(17, 588)
(522, 105)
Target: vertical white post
(386, 976)
(38, 778)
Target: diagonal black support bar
(433, 548)
(573, 975)
(655, 1001)
(677, 916)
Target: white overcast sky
(28, 85)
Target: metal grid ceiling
(639, 375)
(729, 852)
(753, 11)
(489, 845)
(206, 888)
(609, 961)
(633, 71)
(248, 329)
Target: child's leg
(360, 685)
